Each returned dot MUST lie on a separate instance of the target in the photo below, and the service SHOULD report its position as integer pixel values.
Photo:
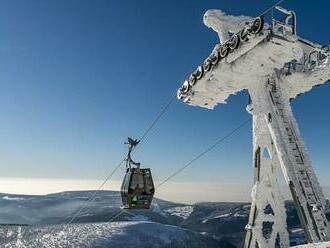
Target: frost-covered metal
(275, 66)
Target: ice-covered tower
(275, 66)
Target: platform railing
(309, 61)
(286, 26)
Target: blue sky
(79, 76)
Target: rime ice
(274, 65)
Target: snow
(156, 208)
(245, 68)
(316, 245)
(8, 198)
(296, 230)
(217, 217)
(307, 80)
(239, 215)
(136, 234)
(224, 24)
(182, 212)
(138, 217)
(251, 63)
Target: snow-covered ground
(135, 234)
(182, 212)
(224, 221)
(59, 208)
(216, 217)
(318, 245)
(8, 198)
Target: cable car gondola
(137, 189)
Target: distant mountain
(60, 207)
(222, 223)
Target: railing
(286, 26)
(309, 62)
(317, 57)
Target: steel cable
(210, 148)
(147, 131)
(92, 197)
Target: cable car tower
(274, 65)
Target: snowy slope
(318, 245)
(115, 234)
(55, 208)
(223, 221)
(182, 211)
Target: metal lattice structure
(275, 66)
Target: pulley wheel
(234, 41)
(199, 72)
(258, 25)
(215, 57)
(207, 65)
(185, 87)
(192, 80)
(244, 35)
(224, 51)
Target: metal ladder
(307, 195)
